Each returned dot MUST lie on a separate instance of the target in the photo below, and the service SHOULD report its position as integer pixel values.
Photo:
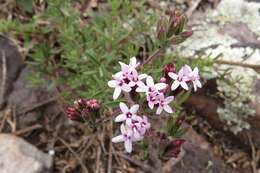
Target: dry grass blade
(254, 161)
(193, 7)
(5, 116)
(84, 168)
(110, 147)
(28, 129)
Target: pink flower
(150, 86)
(181, 78)
(153, 99)
(127, 69)
(125, 137)
(127, 113)
(163, 105)
(145, 125)
(119, 85)
(195, 78)
(135, 79)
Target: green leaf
(27, 5)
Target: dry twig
(110, 147)
(173, 161)
(6, 114)
(193, 7)
(28, 129)
(254, 160)
(84, 168)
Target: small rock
(13, 66)
(18, 156)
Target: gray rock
(18, 156)
(13, 66)
(24, 97)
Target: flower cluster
(128, 79)
(134, 128)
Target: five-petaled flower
(127, 113)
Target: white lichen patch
(237, 85)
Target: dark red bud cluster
(82, 110)
(175, 148)
(93, 104)
(172, 30)
(73, 114)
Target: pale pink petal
(131, 84)
(142, 76)
(128, 146)
(195, 87)
(120, 118)
(119, 138)
(175, 85)
(112, 83)
(168, 109)
(149, 81)
(196, 71)
(133, 61)
(151, 105)
(141, 89)
(173, 75)
(126, 88)
(169, 99)
(197, 82)
(160, 86)
(117, 92)
(159, 110)
(124, 67)
(184, 85)
(123, 107)
(122, 129)
(134, 109)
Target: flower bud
(178, 142)
(163, 80)
(85, 114)
(174, 152)
(177, 39)
(173, 27)
(161, 29)
(186, 34)
(93, 104)
(73, 114)
(180, 120)
(79, 103)
(168, 68)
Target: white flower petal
(160, 86)
(168, 99)
(173, 75)
(123, 107)
(151, 105)
(117, 92)
(196, 71)
(175, 85)
(122, 129)
(117, 139)
(168, 109)
(141, 89)
(159, 110)
(134, 109)
(133, 61)
(149, 81)
(112, 83)
(197, 82)
(128, 146)
(184, 85)
(126, 88)
(120, 118)
(124, 67)
(142, 76)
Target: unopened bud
(174, 153)
(93, 104)
(161, 29)
(173, 27)
(186, 34)
(86, 114)
(180, 120)
(178, 142)
(163, 80)
(79, 103)
(73, 114)
(183, 20)
(168, 68)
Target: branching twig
(137, 163)
(84, 168)
(28, 109)
(254, 162)
(193, 7)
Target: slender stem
(150, 58)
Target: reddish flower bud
(180, 120)
(161, 29)
(79, 103)
(174, 153)
(93, 104)
(163, 80)
(178, 142)
(73, 114)
(186, 34)
(177, 39)
(86, 114)
(168, 68)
